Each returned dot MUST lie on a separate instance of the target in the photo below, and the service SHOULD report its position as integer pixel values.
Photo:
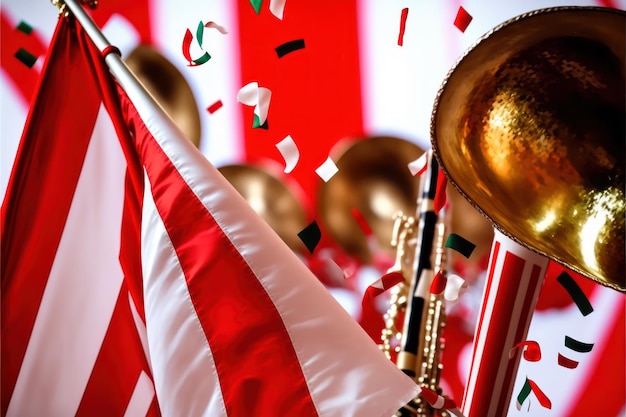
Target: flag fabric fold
(137, 281)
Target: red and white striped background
(352, 80)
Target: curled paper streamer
(327, 169)
(288, 149)
(199, 37)
(381, 285)
(531, 386)
(418, 166)
(259, 97)
(455, 287)
(532, 351)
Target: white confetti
(288, 149)
(327, 169)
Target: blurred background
(360, 90)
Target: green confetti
(25, 28)
(256, 5)
(26, 57)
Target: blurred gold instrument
(373, 177)
(278, 201)
(529, 126)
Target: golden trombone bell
(529, 126)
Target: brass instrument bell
(277, 201)
(529, 126)
(374, 178)
(169, 88)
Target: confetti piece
(26, 57)
(25, 27)
(215, 106)
(440, 192)
(567, 363)
(532, 351)
(288, 149)
(188, 38)
(418, 167)
(438, 285)
(310, 236)
(288, 47)
(455, 286)
(360, 219)
(531, 386)
(576, 293)
(256, 5)
(460, 244)
(577, 345)
(277, 7)
(381, 285)
(403, 16)
(435, 400)
(462, 19)
(327, 169)
(259, 97)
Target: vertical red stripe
(495, 250)
(34, 213)
(225, 291)
(316, 91)
(493, 351)
(523, 323)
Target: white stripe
(219, 79)
(184, 373)
(82, 289)
(141, 329)
(142, 397)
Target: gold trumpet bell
(373, 178)
(529, 126)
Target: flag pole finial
(60, 4)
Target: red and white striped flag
(136, 280)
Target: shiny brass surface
(168, 86)
(373, 177)
(272, 198)
(529, 126)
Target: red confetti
(215, 106)
(439, 283)
(403, 16)
(358, 216)
(543, 398)
(440, 192)
(462, 19)
(567, 363)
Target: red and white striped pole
(514, 279)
